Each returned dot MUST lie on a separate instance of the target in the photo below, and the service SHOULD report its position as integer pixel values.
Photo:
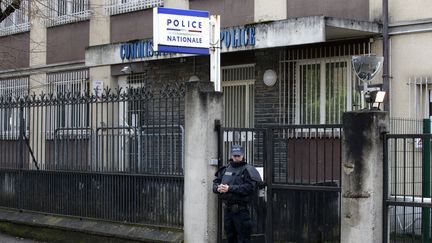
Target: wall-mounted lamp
(194, 78)
(126, 70)
(269, 77)
(375, 98)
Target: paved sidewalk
(12, 239)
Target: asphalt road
(12, 239)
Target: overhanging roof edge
(356, 25)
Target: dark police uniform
(242, 180)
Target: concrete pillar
(37, 81)
(362, 176)
(99, 24)
(181, 4)
(375, 10)
(38, 33)
(203, 107)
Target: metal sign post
(215, 51)
(189, 31)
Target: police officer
(236, 184)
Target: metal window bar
(68, 113)
(316, 84)
(113, 7)
(18, 21)
(419, 96)
(238, 83)
(67, 11)
(12, 89)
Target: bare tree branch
(9, 9)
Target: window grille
(73, 114)
(137, 80)
(317, 83)
(419, 97)
(9, 114)
(114, 7)
(238, 83)
(67, 11)
(18, 21)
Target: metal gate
(407, 188)
(301, 169)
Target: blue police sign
(181, 31)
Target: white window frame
(113, 7)
(322, 63)
(61, 85)
(18, 21)
(249, 114)
(71, 16)
(15, 88)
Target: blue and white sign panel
(181, 31)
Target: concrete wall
(375, 10)
(181, 4)
(362, 176)
(99, 24)
(410, 57)
(38, 34)
(202, 107)
(14, 51)
(232, 12)
(266, 12)
(350, 9)
(400, 10)
(132, 26)
(66, 43)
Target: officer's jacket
(238, 177)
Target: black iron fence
(302, 170)
(407, 188)
(115, 155)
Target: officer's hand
(223, 188)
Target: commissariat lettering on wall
(235, 37)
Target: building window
(324, 91)
(420, 97)
(10, 90)
(67, 11)
(317, 84)
(114, 7)
(69, 111)
(18, 21)
(238, 84)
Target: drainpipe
(386, 64)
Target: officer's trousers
(238, 226)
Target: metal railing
(114, 7)
(400, 125)
(407, 187)
(67, 11)
(123, 162)
(18, 21)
